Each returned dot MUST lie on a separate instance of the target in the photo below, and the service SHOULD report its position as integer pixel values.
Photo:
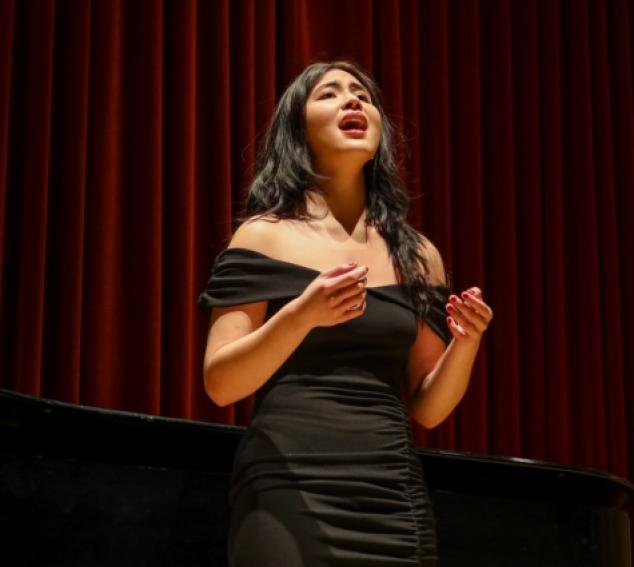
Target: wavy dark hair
(284, 172)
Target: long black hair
(284, 172)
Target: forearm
(237, 369)
(443, 388)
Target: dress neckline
(305, 268)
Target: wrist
(296, 318)
(467, 343)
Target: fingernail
(453, 298)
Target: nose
(351, 101)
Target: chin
(361, 155)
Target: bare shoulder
(436, 267)
(261, 234)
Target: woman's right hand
(333, 297)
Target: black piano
(84, 486)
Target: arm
(437, 378)
(243, 351)
(441, 376)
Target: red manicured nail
(451, 308)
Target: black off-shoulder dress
(325, 475)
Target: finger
(352, 292)
(461, 319)
(476, 291)
(354, 301)
(349, 278)
(349, 297)
(479, 306)
(354, 311)
(465, 315)
(469, 321)
(455, 328)
(338, 270)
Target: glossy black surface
(86, 486)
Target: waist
(329, 414)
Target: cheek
(317, 121)
(377, 130)
(375, 119)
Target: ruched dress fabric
(326, 474)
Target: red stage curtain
(128, 132)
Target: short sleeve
(435, 315)
(243, 276)
(434, 298)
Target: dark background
(128, 132)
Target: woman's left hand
(469, 316)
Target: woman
(330, 308)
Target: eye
(364, 97)
(327, 94)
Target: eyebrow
(337, 85)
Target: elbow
(431, 424)
(212, 387)
(423, 419)
(427, 423)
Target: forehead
(340, 76)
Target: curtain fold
(529, 226)
(7, 16)
(129, 133)
(65, 230)
(554, 249)
(467, 210)
(179, 211)
(102, 323)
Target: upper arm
(231, 323)
(235, 321)
(428, 347)
(436, 274)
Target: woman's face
(341, 119)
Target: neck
(343, 197)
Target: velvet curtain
(128, 131)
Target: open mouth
(354, 121)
